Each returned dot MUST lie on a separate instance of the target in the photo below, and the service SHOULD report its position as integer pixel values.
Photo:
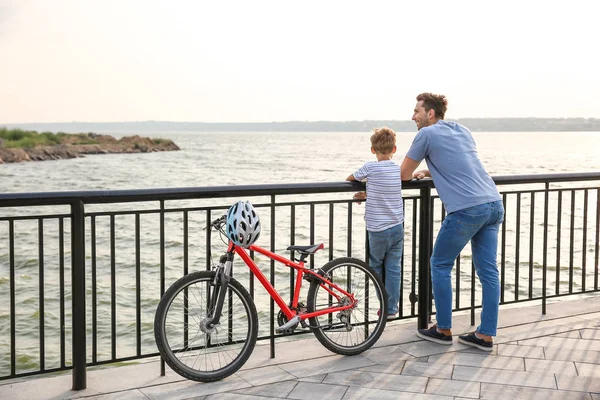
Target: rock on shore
(104, 144)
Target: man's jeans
(479, 224)
(385, 251)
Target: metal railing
(112, 254)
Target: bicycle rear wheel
(354, 330)
(185, 342)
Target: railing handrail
(182, 193)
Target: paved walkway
(556, 356)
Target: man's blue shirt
(451, 155)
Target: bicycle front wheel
(185, 341)
(354, 330)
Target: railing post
(425, 245)
(272, 280)
(78, 294)
(545, 249)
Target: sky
(262, 61)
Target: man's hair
(383, 140)
(437, 102)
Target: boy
(384, 213)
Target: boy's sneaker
(433, 335)
(389, 316)
(472, 340)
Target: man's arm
(408, 170)
(351, 178)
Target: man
(474, 209)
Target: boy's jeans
(385, 251)
(479, 224)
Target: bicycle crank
(288, 326)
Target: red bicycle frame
(291, 311)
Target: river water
(242, 158)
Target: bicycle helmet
(243, 224)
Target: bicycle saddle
(306, 250)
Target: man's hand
(424, 173)
(361, 196)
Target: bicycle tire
(181, 351)
(367, 323)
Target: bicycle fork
(220, 283)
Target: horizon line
(291, 121)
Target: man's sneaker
(433, 335)
(472, 340)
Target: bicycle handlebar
(219, 222)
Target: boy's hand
(361, 196)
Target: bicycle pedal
(290, 325)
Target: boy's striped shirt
(384, 207)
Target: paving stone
(571, 334)
(231, 396)
(479, 360)
(489, 375)
(131, 376)
(325, 365)
(425, 348)
(563, 343)
(281, 389)
(550, 366)
(313, 391)
(261, 376)
(511, 350)
(491, 391)
(595, 396)
(437, 370)
(421, 359)
(400, 334)
(573, 306)
(388, 354)
(579, 383)
(375, 380)
(394, 368)
(584, 369)
(592, 316)
(585, 356)
(187, 389)
(313, 378)
(541, 328)
(124, 395)
(44, 388)
(590, 334)
(446, 387)
(306, 348)
(357, 393)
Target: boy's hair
(383, 140)
(437, 102)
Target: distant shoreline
(17, 145)
(474, 124)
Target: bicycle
(342, 309)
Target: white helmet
(243, 224)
